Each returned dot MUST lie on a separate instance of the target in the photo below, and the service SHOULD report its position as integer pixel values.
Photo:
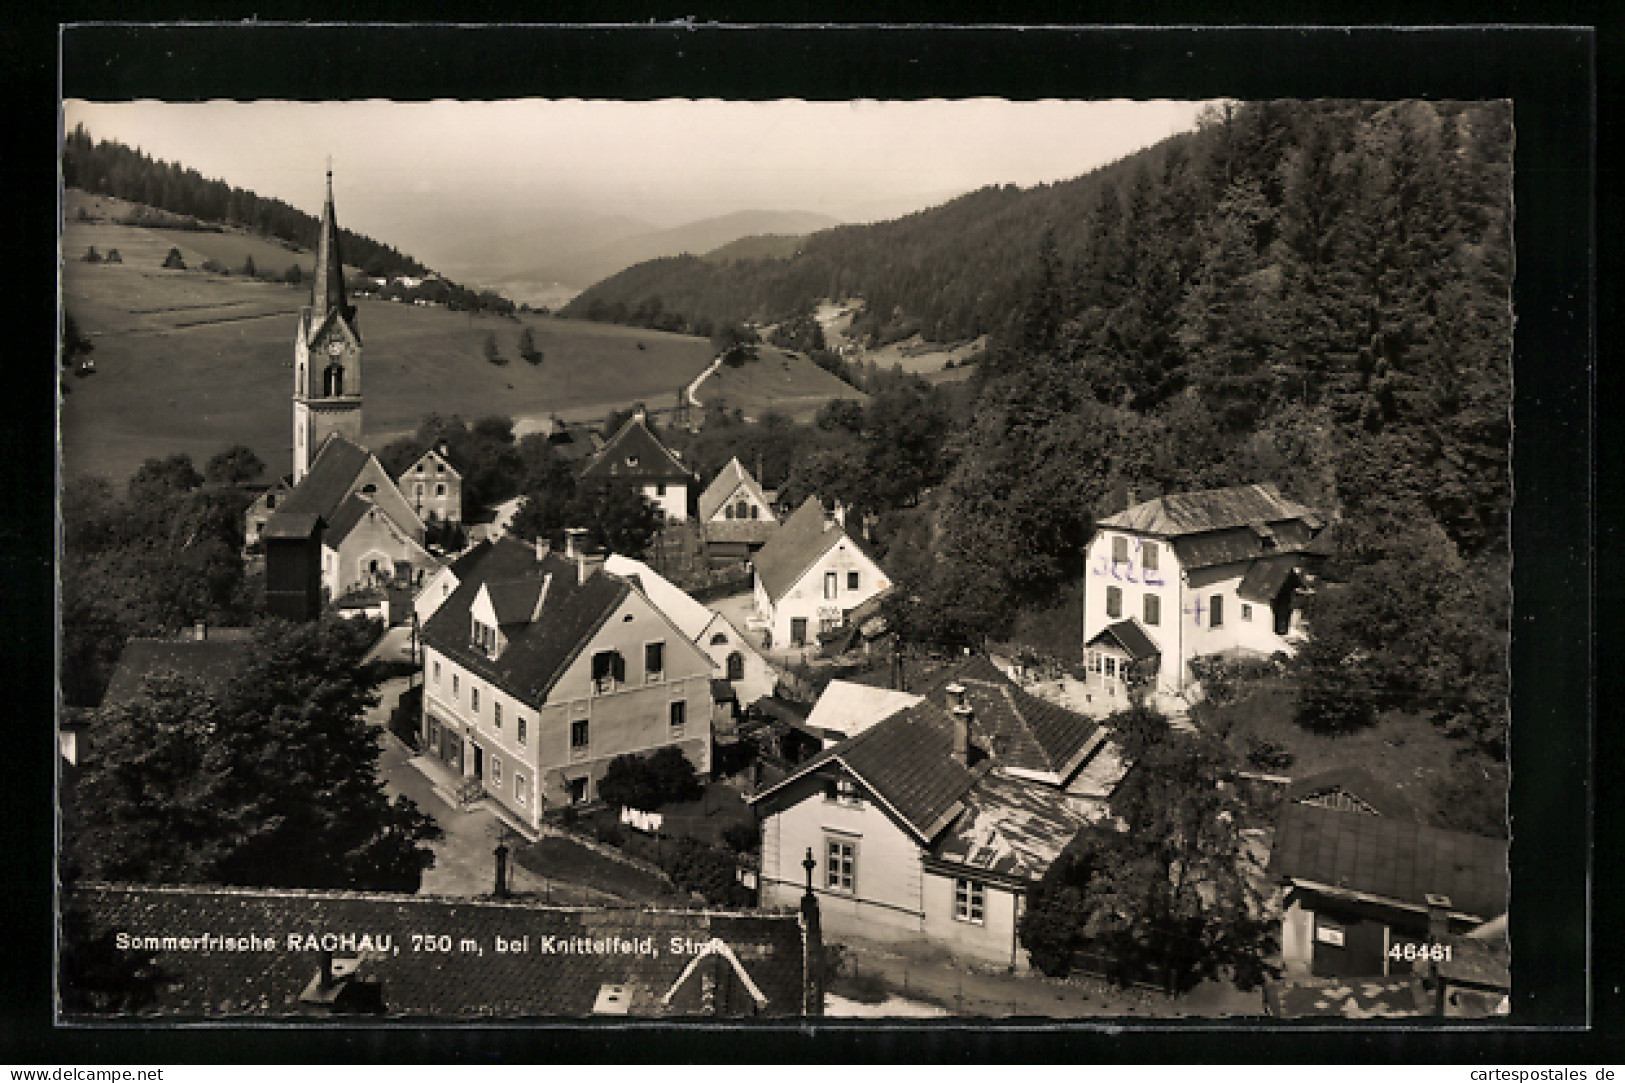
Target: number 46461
(1414, 953)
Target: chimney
(572, 541)
(961, 749)
(956, 695)
(543, 547)
(445, 450)
(200, 631)
(640, 414)
(840, 513)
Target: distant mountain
(759, 246)
(583, 266)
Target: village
(725, 741)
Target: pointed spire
(327, 292)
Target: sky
(663, 162)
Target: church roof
(634, 453)
(329, 481)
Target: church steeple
(327, 292)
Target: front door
(479, 762)
(798, 631)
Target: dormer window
(485, 639)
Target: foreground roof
(572, 953)
(1024, 732)
(1011, 828)
(906, 761)
(1211, 509)
(212, 662)
(537, 652)
(634, 453)
(1390, 858)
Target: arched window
(719, 639)
(333, 380)
(741, 510)
(736, 666)
(755, 512)
(730, 511)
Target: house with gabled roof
(748, 675)
(217, 954)
(635, 457)
(1357, 886)
(811, 576)
(538, 670)
(736, 513)
(937, 820)
(434, 487)
(1185, 576)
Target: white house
(811, 576)
(1195, 574)
(635, 457)
(736, 513)
(936, 821)
(737, 662)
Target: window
(474, 699)
(660, 488)
(970, 901)
(654, 661)
(831, 584)
(798, 631)
(720, 639)
(1215, 611)
(1149, 556)
(851, 580)
(755, 512)
(496, 770)
(333, 380)
(521, 792)
(840, 867)
(1119, 550)
(578, 791)
(1114, 602)
(437, 672)
(440, 489)
(521, 726)
(729, 512)
(1153, 609)
(679, 715)
(496, 713)
(608, 671)
(578, 734)
(1246, 611)
(270, 501)
(454, 691)
(1111, 667)
(439, 468)
(736, 666)
(843, 791)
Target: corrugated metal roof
(1011, 828)
(1392, 858)
(1211, 509)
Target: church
(345, 525)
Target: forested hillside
(1314, 294)
(111, 168)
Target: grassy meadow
(780, 381)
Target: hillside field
(192, 361)
(780, 381)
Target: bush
(708, 870)
(1265, 755)
(647, 782)
(742, 838)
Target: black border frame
(1550, 74)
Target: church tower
(326, 355)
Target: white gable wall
(812, 600)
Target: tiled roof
(213, 662)
(345, 518)
(1240, 544)
(208, 982)
(300, 525)
(1011, 828)
(1391, 858)
(324, 488)
(1024, 732)
(509, 558)
(907, 762)
(1357, 782)
(1131, 637)
(538, 653)
(634, 453)
(728, 479)
(690, 616)
(515, 599)
(1211, 509)
(800, 540)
